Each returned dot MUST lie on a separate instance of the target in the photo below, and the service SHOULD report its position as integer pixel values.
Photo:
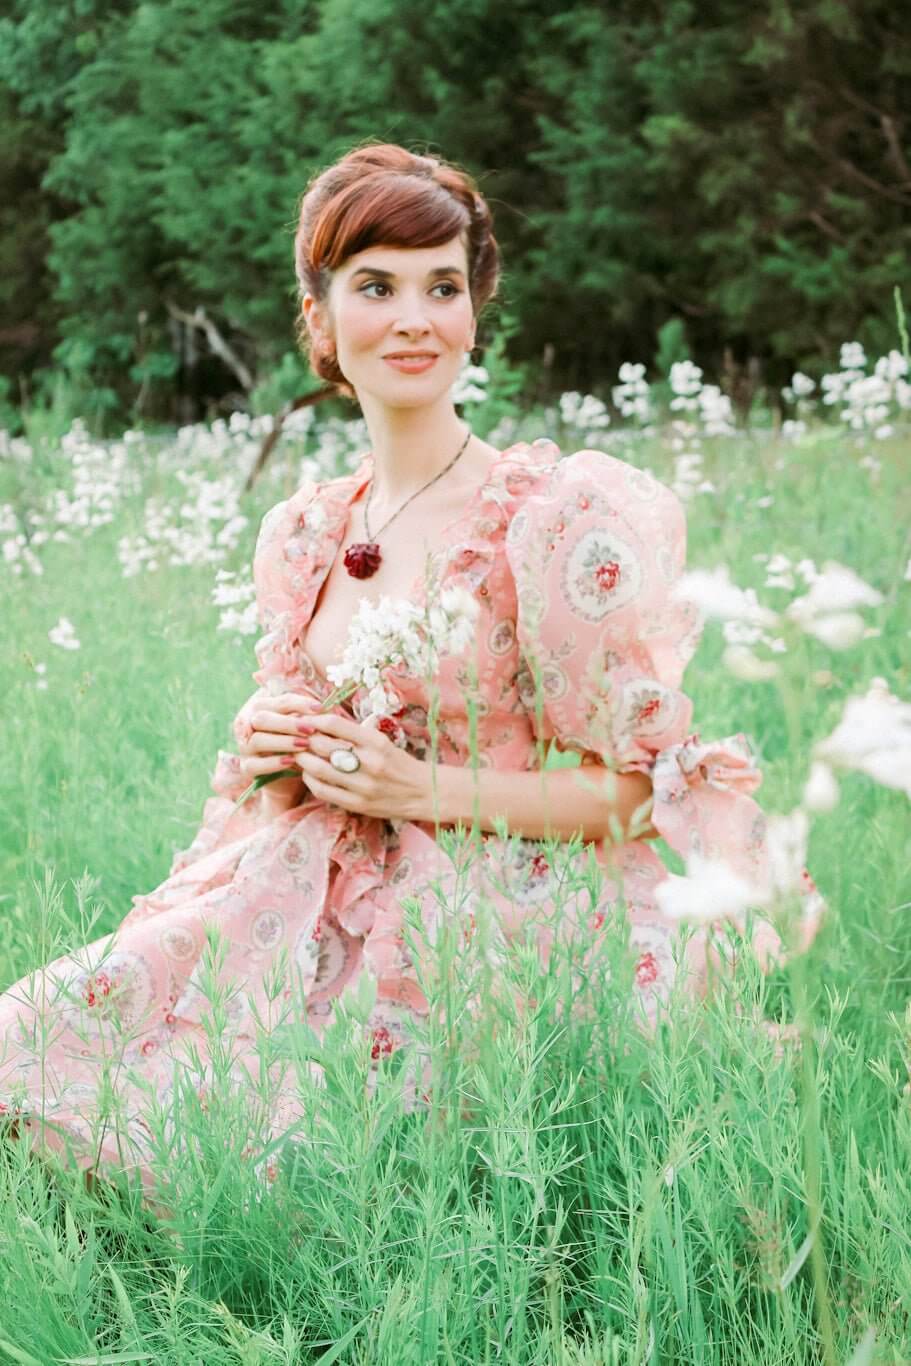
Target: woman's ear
(313, 316)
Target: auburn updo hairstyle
(380, 194)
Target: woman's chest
(410, 554)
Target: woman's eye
(444, 284)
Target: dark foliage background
(743, 170)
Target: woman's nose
(412, 317)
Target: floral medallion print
(294, 855)
(553, 683)
(643, 708)
(179, 943)
(600, 574)
(267, 930)
(114, 996)
(502, 637)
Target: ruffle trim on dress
(698, 789)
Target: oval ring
(345, 759)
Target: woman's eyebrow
(390, 274)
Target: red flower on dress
(362, 559)
(648, 709)
(539, 866)
(608, 575)
(389, 726)
(96, 989)
(647, 969)
(382, 1042)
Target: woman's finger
(266, 742)
(328, 723)
(311, 765)
(278, 723)
(255, 766)
(294, 701)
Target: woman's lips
(414, 365)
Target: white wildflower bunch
(872, 737)
(632, 396)
(387, 633)
(396, 632)
(64, 635)
(471, 384)
(716, 595)
(826, 610)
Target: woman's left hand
(390, 783)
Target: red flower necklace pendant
(362, 559)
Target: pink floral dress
(571, 561)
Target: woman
(569, 561)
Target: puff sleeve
(595, 551)
(276, 602)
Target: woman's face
(396, 299)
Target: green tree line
(741, 169)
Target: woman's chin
(402, 396)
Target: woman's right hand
(273, 743)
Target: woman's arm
(543, 802)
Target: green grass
(544, 1225)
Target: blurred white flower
(852, 356)
(807, 570)
(802, 384)
(839, 631)
(717, 596)
(708, 890)
(469, 386)
(64, 635)
(786, 841)
(820, 791)
(836, 589)
(826, 610)
(685, 379)
(778, 572)
(742, 663)
(872, 737)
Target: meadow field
(702, 1196)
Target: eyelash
(383, 285)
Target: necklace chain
(413, 495)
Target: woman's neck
(411, 445)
